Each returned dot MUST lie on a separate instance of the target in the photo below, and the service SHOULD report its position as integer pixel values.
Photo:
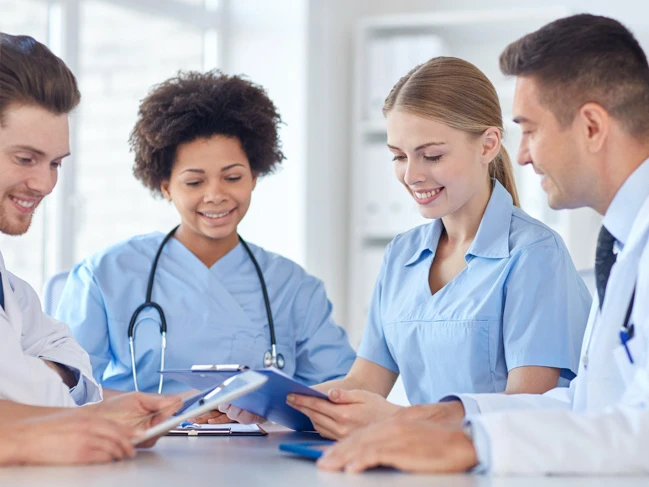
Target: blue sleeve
(373, 345)
(546, 306)
(82, 308)
(323, 351)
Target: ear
(164, 188)
(594, 125)
(491, 140)
(254, 180)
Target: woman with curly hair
(201, 141)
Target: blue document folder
(269, 401)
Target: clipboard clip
(219, 368)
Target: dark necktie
(2, 294)
(604, 260)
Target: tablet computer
(269, 401)
(228, 391)
(312, 450)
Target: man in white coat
(44, 373)
(40, 361)
(582, 100)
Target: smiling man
(40, 362)
(582, 100)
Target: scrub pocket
(440, 357)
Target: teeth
(215, 215)
(423, 196)
(24, 204)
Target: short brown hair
(197, 105)
(458, 94)
(31, 74)
(585, 58)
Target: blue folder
(269, 401)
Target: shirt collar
(492, 239)
(627, 202)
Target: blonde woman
(483, 298)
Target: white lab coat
(28, 335)
(601, 425)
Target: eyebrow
(422, 146)
(201, 171)
(36, 151)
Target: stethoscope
(271, 357)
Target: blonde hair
(458, 94)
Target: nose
(414, 172)
(214, 193)
(523, 156)
(42, 179)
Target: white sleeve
(24, 376)
(568, 443)
(557, 398)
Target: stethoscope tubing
(271, 357)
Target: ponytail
(502, 170)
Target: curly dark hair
(197, 105)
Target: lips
(427, 196)
(24, 204)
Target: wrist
(466, 447)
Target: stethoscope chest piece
(273, 360)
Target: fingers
(222, 419)
(323, 406)
(160, 403)
(241, 416)
(206, 417)
(325, 425)
(341, 396)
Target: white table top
(248, 461)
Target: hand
(350, 410)
(411, 446)
(240, 415)
(211, 417)
(450, 414)
(138, 409)
(68, 438)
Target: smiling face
(445, 170)
(211, 185)
(555, 152)
(33, 142)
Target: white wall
(331, 25)
(266, 41)
(330, 67)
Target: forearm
(110, 393)
(12, 411)
(347, 383)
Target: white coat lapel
(11, 312)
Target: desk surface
(249, 461)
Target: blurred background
(328, 65)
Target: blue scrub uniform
(518, 302)
(214, 315)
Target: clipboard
(269, 401)
(229, 429)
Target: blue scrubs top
(214, 315)
(518, 302)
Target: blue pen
(625, 335)
(185, 424)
